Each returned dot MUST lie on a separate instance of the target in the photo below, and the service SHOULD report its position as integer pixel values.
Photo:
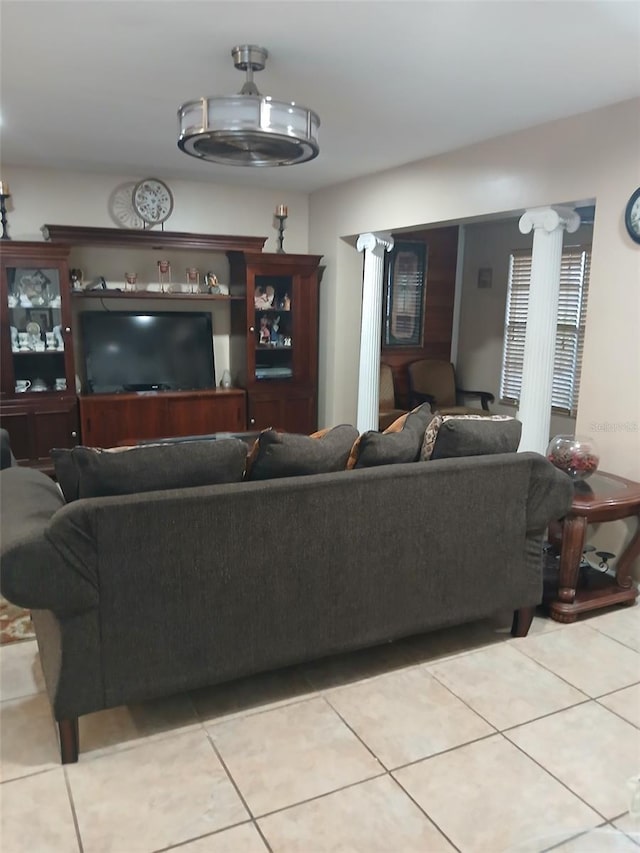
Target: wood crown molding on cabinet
(79, 235)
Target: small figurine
(211, 282)
(57, 336)
(286, 303)
(76, 276)
(275, 337)
(265, 334)
(261, 298)
(15, 340)
(286, 342)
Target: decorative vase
(577, 457)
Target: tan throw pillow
(398, 424)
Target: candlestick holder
(281, 219)
(3, 215)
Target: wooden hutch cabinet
(38, 404)
(269, 314)
(274, 338)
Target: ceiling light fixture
(248, 129)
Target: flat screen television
(147, 351)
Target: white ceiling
(92, 85)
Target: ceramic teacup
(22, 385)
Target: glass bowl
(577, 457)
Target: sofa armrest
(550, 493)
(32, 572)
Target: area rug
(15, 623)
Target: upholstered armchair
(434, 382)
(388, 411)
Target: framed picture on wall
(403, 297)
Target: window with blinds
(572, 315)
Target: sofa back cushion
(285, 454)
(400, 442)
(89, 472)
(470, 435)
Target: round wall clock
(632, 216)
(121, 207)
(152, 201)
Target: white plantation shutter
(572, 314)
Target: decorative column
(374, 247)
(548, 224)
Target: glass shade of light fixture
(248, 129)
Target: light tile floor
(463, 739)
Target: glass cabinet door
(273, 327)
(34, 311)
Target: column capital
(381, 241)
(550, 219)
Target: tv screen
(152, 351)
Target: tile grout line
(249, 811)
(584, 701)
(553, 776)
(356, 735)
(525, 722)
(562, 678)
(138, 742)
(323, 795)
(250, 713)
(424, 812)
(76, 823)
(578, 835)
(616, 714)
(200, 837)
(443, 752)
(29, 775)
(617, 690)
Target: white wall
(482, 312)
(40, 196)
(591, 156)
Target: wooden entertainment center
(270, 310)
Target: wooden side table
(603, 497)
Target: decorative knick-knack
(577, 457)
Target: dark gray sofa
(144, 595)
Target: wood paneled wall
(442, 248)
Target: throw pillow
(430, 435)
(89, 472)
(400, 442)
(475, 435)
(285, 454)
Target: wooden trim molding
(81, 236)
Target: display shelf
(151, 294)
(272, 348)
